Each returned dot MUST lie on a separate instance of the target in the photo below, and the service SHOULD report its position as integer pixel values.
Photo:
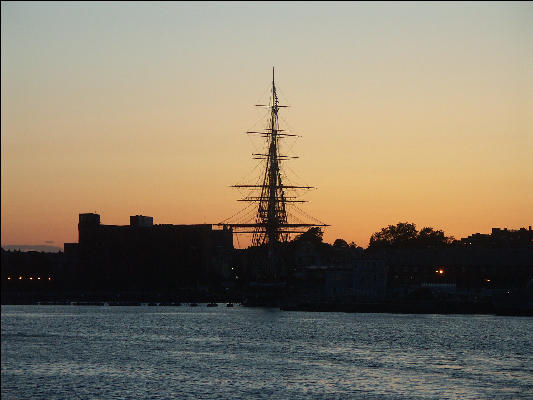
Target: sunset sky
(408, 112)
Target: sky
(411, 112)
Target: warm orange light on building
(31, 278)
(49, 278)
(20, 277)
(439, 271)
(8, 278)
(39, 278)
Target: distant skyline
(30, 247)
(416, 112)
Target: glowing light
(8, 278)
(49, 278)
(487, 280)
(39, 278)
(20, 277)
(31, 278)
(439, 271)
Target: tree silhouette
(313, 235)
(430, 237)
(405, 234)
(340, 243)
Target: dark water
(70, 352)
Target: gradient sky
(408, 112)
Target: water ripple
(71, 352)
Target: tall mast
(270, 225)
(271, 209)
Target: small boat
(212, 305)
(229, 305)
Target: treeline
(401, 235)
(405, 235)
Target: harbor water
(101, 352)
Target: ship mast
(270, 225)
(272, 212)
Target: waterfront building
(146, 256)
(500, 238)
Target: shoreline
(441, 308)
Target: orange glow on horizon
(423, 118)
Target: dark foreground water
(81, 352)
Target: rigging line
(304, 218)
(284, 98)
(245, 192)
(252, 213)
(244, 217)
(249, 192)
(259, 177)
(298, 176)
(228, 220)
(291, 145)
(263, 115)
(260, 118)
(253, 140)
(291, 129)
(302, 212)
(297, 220)
(245, 177)
(297, 193)
(308, 216)
(287, 176)
(245, 220)
(285, 151)
(260, 99)
(287, 180)
(254, 146)
(237, 213)
(298, 179)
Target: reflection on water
(66, 352)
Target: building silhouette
(143, 256)
(500, 238)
